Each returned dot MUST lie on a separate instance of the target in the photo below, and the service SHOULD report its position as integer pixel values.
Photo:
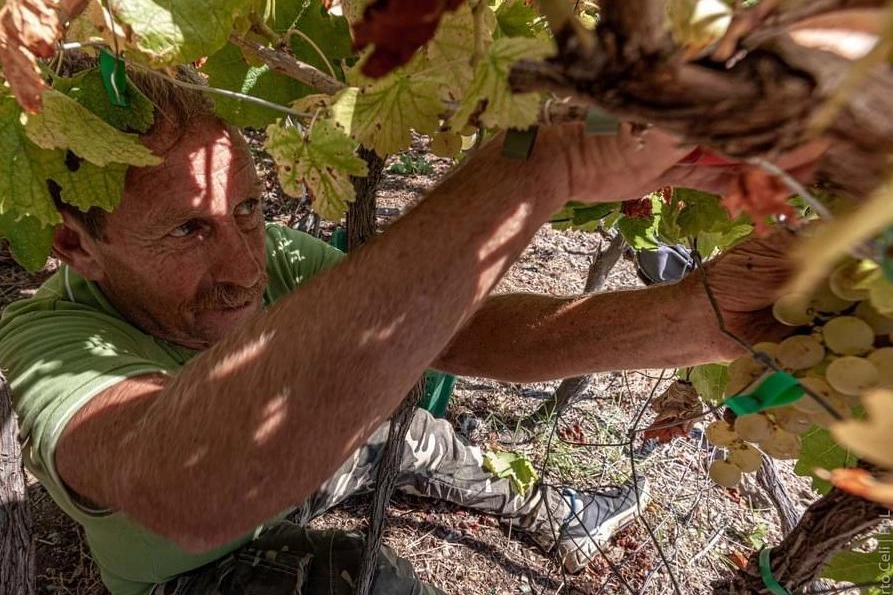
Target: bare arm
(526, 338)
(530, 338)
(260, 420)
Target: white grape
(807, 404)
(791, 420)
(852, 375)
(839, 404)
(799, 352)
(753, 427)
(844, 279)
(883, 360)
(745, 457)
(742, 372)
(766, 347)
(720, 433)
(880, 324)
(848, 335)
(825, 300)
(724, 473)
(781, 445)
(793, 309)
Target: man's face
(183, 255)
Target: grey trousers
(436, 463)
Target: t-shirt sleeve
(294, 257)
(55, 362)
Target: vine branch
(284, 63)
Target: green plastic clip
(518, 144)
(769, 579)
(600, 122)
(114, 78)
(775, 390)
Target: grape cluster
(842, 348)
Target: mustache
(230, 295)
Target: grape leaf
(23, 187)
(30, 30)
(65, 124)
(323, 161)
(863, 567)
(228, 69)
(29, 240)
(84, 184)
(821, 450)
(170, 32)
(329, 33)
(88, 90)
(869, 438)
(710, 381)
(381, 116)
(585, 217)
(504, 109)
(397, 28)
(448, 55)
(516, 467)
(516, 18)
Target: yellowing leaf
(65, 124)
(448, 55)
(872, 438)
(381, 115)
(323, 161)
(833, 240)
(83, 184)
(516, 467)
(504, 109)
(446, 144)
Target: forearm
(528, 338)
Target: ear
(74, 246)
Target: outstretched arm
(528, 338)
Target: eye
(248, 207)
(184, 230)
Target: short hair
(175, 107)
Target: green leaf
(504, 109)
(323, 162)
(516, 467)
(84, 184)
(864, 567)
(639, 232)
(88, 90)
(65, 124)
(710, 381)
(515, 18)
(170, 32)
(29, 240)
(701, 212)
(820, 449)
(227, 69)
(381, 116)
(585, 217)
(23, 186)
(329, 33)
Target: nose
(238, 256)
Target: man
(182, 382)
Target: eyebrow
(169, 219)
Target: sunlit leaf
(323, 161)
(870, 438)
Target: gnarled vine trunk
(16, 552)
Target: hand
(747, 280)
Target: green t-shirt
(66, 344)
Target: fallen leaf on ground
(675, 409)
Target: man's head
(182, 256)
